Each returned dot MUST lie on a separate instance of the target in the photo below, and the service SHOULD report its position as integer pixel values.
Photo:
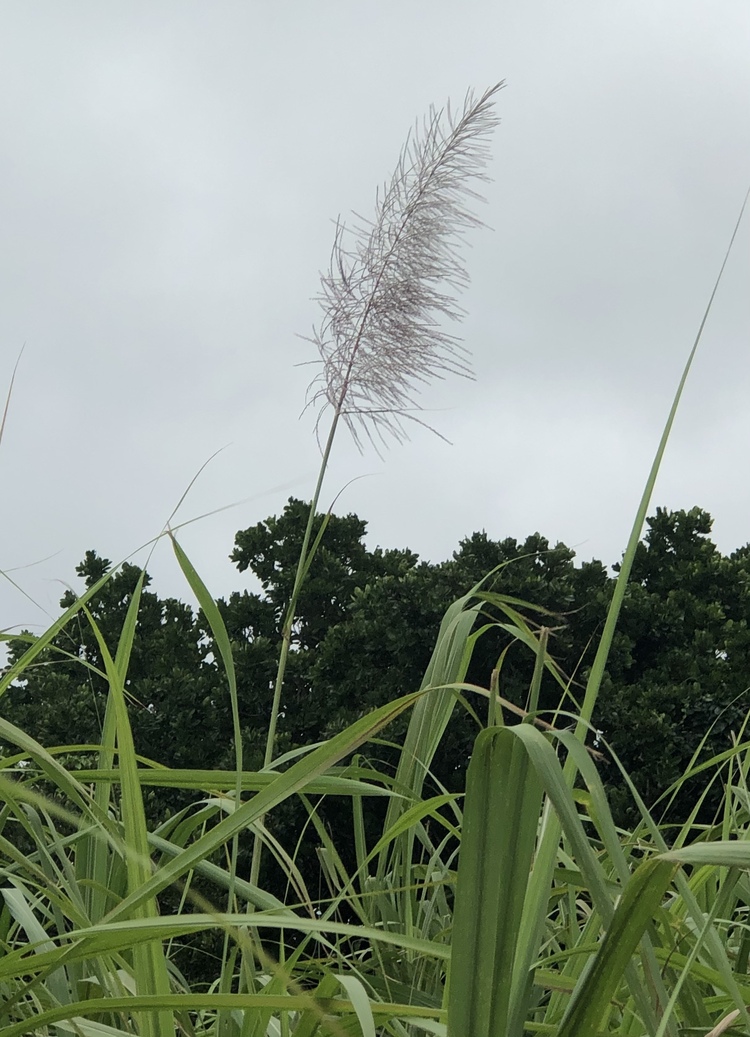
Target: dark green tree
(681, 667)
(382, 647)
(173, 685)
(343, 566)
(365, 629)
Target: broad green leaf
(635, 911)
(501, 811)
(250, 781)
(207, 1002)
(112, 937)
(360, 1002)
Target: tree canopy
(366, 624)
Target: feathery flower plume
(387, 289)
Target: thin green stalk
(602, 653)
(302, 566)
(541, 876)
(536, 681)
(494, 713)
(286, 633)
(10, 393)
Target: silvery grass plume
(382, 300)
(391, 280)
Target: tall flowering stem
(388, 292)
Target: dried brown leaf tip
(393, 281)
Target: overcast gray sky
(169, 174)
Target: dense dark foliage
(365, 627)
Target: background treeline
(365, 628)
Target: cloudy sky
(170, 172)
